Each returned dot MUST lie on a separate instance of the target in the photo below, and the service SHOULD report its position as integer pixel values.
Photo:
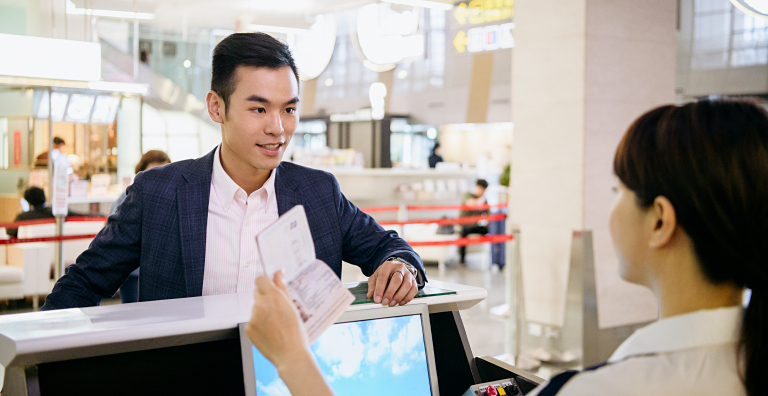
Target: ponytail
(754, 344)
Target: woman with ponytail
(690, 222)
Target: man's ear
(215, 107)
(663, 221)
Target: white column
(582, 71)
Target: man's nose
(274, 125)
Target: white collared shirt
(232, 260)
(690, 354)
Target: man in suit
(191, 225)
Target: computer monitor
(379, 351)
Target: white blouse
(690, 354)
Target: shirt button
(247, 264)
(248, 224)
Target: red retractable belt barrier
(442, 222)
(378, 209)
(500, 238)
(17, 224)
(459, 207)
(45, 239)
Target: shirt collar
(226, 188)
(698, 329)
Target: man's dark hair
(58, 140)
(246, 49)
(482, 183)
(35, 196)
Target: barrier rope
(499, 238)
(377, 209)
(45, 239)
(17, 224)
(443, 222)
(459, 207)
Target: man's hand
(392, 284)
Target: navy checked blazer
(162, 225)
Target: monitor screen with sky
(373, 352)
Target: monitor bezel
(249, 376)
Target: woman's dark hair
(710, 159)
(35, 196)
(151, 157)
(246, 49)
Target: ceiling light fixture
(276, 29)
(756, 8)
(436, 5)
(73, 10)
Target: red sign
(16, 148)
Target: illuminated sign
(487, 38)
(386, 37)
(477, 12)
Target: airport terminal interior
(478, 135)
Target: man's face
(479, 191)
(261, 117)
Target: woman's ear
(663, 222)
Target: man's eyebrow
(257, 98)
(260, 99)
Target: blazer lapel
(286, 191)
(192, 204)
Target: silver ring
(400, 271)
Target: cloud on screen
(392, 344)
(275, 388)
(341, 348)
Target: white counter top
(39, 337)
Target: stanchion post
(517, 307)
(58, 250)
(402, 212)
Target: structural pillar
(582, 71)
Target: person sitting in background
(35, 197)
(42, 160)
(129, 291)
(475, 198)
(689, 222)
(435, 157)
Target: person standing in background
(129, 291)
(42, 160)
(435, 157)
(476, 198)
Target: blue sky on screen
(373, 357)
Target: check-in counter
(188, 346)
